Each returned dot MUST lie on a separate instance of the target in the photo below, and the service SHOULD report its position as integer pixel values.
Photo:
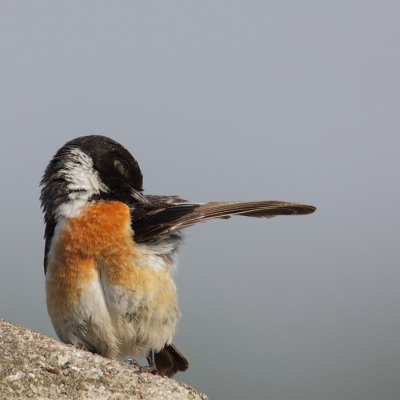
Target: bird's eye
(121, 165)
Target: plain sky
(229, 100)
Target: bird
(111, 250)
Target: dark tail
(169, 361)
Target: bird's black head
(89, 168)
(116, 167)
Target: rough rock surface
(35, 366)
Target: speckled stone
(35, 366)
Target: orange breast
(100, 233)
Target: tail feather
(169, 361)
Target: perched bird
(110, 251)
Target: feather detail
(163, 215)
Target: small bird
(110, 251)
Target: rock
(35, 366)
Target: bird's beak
(139, 196)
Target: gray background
(229, 100)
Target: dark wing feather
(156, 218)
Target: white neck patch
(83, 182)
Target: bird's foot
(149, 369)
(131, 361)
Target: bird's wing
(163, 215)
